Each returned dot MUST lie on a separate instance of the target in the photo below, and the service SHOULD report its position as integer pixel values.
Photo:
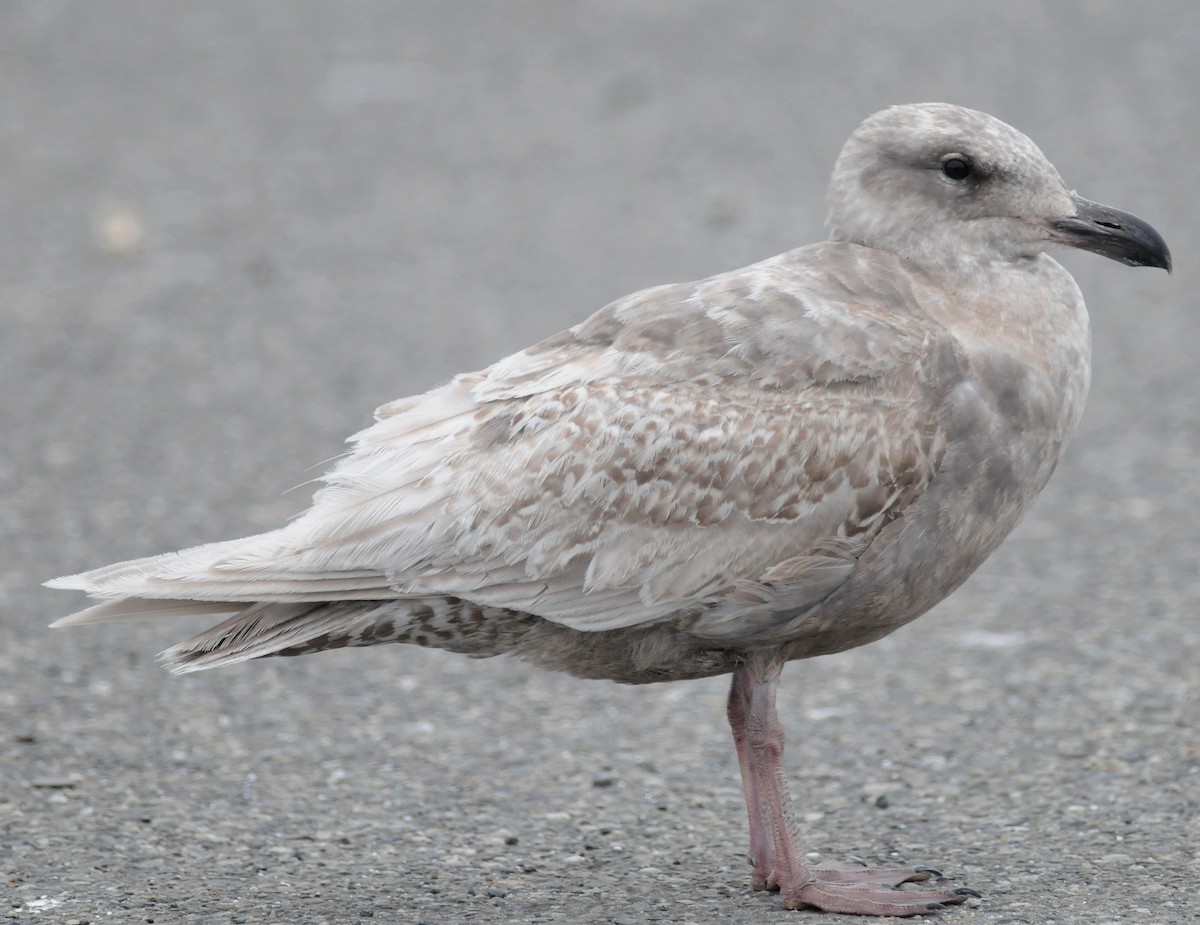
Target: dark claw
(967, 891)
(935, 907)
(932, 871)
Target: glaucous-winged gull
(782, 461)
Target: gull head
(943, 186)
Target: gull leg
(758, 737)
(762, 848)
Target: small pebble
(120, 231)
(56, 783)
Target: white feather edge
(130, 608)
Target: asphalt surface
(229, 230)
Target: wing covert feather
(682, 440)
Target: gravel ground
(229, 230)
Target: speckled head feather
(890, 191)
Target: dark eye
(957, 167)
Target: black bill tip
(1113, 234)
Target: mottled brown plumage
(773, 463)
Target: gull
(716, 477)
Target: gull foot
(880, 876)
(858, 890)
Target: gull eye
(957, 167)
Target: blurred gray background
(229, 230)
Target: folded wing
(731, 443)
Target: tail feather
(299, 629)
(269, 611)
(254, 632)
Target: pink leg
(758, 736)
(762, 839)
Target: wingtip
(82, 618)
(65, 582)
